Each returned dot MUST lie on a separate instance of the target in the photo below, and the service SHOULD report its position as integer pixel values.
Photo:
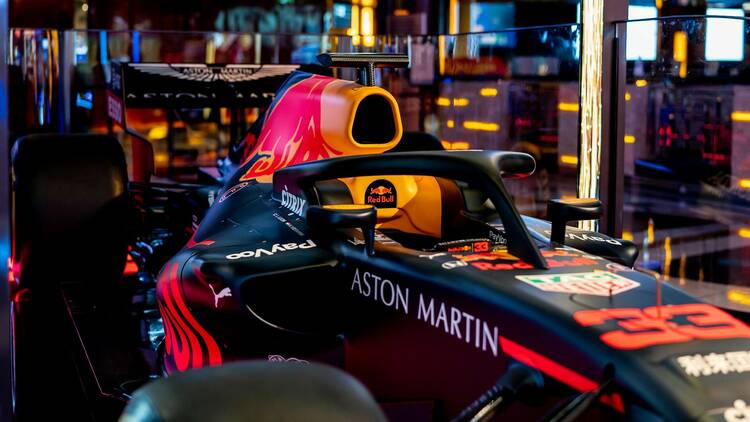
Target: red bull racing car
(339, 239)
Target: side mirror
(560, 211)
(346, 217)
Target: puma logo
(225, 292)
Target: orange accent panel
(340, 101)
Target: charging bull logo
(291, 132)
(381, 194)
(380, 190)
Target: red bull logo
(380, 190)
(381, 193)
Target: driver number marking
(668, 324)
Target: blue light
(103, 54)
(136, 46)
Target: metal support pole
(600, 163)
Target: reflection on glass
(687, 134)
(512, 90)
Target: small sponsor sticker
(699, 365)
(596, 283)
(293, 202)
(231, 191)
(381, 194)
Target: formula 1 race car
(340, 239)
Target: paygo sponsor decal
(715, 363)
(276, 248)
(234, 189)
(667, 324)
(292, 202)
(450, 319)
(597, 283)
(381, 193)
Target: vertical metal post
(600, 164)
(6, 339)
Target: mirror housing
(346, 217)
(561, 211)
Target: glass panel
(687, 133)
(511, 89)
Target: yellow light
(460, 145)
(683, 268)
(741, 116)
(569, 159)
(650, 232)
(738, 296)
(744, 183)
(367, 23)
(450, 123)
(488, 92)
(485, 126)
(667, 257)
(161, 158)
(367, 27)
(455, 145)
(443, 102)
(640, 83)
(658, 3)
(157, 132)
(460, 102)
(568, 107)
(680, 51)
(441, 54)
(400, 12)
(367, 3)
(629, 139)
(627, 95)
(355, 25)
(452, 17)
(680, 46)
(744, 232)
(627, 235)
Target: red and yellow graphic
(312, 120)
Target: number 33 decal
(668, 324)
